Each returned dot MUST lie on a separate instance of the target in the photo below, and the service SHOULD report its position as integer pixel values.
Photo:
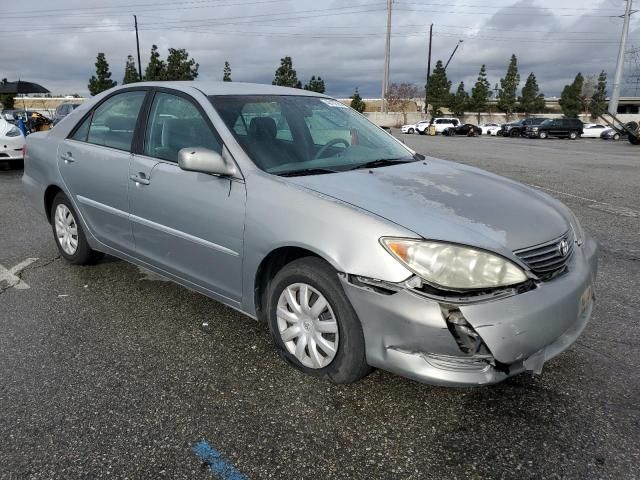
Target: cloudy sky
(55, 43)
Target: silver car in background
(296, 210)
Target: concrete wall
(397, 119)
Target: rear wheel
(313, 323)
(70, 238)
(616, 136)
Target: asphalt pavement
(107, 371)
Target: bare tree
(399, 98)
(589, 87)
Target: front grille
(546, 260)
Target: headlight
(535, 129)
(452, 266)
(13, 132)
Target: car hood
(443, 200)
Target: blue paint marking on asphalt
(218, 465)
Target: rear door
(188, 224)
(94, 164)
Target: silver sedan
(296, 210)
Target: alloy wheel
(66, 229)
(307, 325)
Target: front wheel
(70, 238)
(410, 130)
(422, 132)
(542, 135)
(573, 135)
(313, 323)
(616, 136)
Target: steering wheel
(330, 144)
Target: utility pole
(617, 80)
(426, 88)
(387, 54)
(135, 20)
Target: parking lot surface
(107, 371)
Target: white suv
(415, 127)
(441, 125)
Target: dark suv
(558, 127)
(519, 128)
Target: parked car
(505, 129)
(441, 125)
(521, 127)
(612, 134)
(490, 128)
(413, 127)
(11, 142)
(356, 251)
(592, 130)
(466, 129)
(570, 128)
(63, 110)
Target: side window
(81, 132)
(113, 123)
(175, 123)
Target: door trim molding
(156, 226)
(102, 206)
(183, 235)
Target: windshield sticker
(333, 103)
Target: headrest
(263, 128)
(121, 123)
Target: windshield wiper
(383, 162)
(305, 171)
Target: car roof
(227, 88)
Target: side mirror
(203, 160)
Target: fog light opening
(468, 340)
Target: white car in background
(11, 142)
(413, 128)
(441, 125)
(592, 130)
(490, 128)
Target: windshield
(285, 134)
(546, 123)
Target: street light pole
(387, 54)
(426, 88)
(617, 80)
(135, 20)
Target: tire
(348, 364)
(422, 132)
(514, 133)
(542, 135)
(64, 217)
(410, 130)
(573, 135)
(616, 136)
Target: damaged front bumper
(413, 335)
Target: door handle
(140, 180)
(67, 157)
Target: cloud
(346, 49)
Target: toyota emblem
(563, 248)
